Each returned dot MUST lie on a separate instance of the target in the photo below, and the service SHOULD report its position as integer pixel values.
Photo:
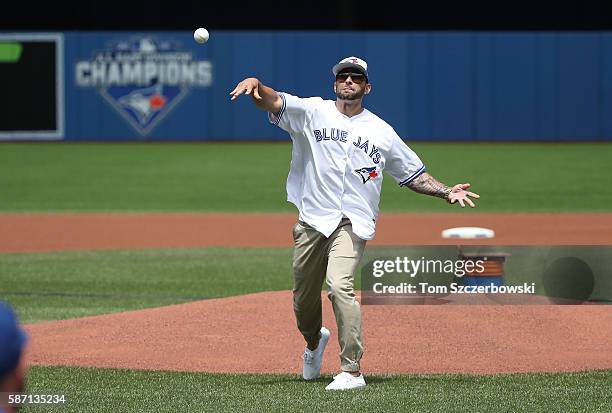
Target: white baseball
(201, 35)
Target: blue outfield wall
(428, 85)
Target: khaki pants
(333, 259)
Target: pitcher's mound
(256, 333)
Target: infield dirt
(61, 232)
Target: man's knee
(340, 291)
(305, 300)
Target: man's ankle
(312, 345)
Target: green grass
(107, 390)
(251, 177)
(49, 286)
(60, 285)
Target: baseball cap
(12, 339)
(351, 62)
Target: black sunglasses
(358, 78)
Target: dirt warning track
(61, 232)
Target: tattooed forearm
(428, 185)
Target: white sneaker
(346, 381)
(314, 358)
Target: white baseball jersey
(337, 163)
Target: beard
(350, 95)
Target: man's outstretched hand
(247, 86)
(459, 193)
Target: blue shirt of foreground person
(12, 366)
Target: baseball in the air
(201, 35)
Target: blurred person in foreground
(12, 364)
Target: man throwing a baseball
(340, 150)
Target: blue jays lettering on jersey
(332, 134)
(337, 163)
(373, 153)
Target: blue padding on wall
(546, 83)
(579, 85)
(452, 85)
(514, 86)
(606, 88)
(418, 88)
(390, 77)
(479, 86)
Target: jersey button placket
(348, 155)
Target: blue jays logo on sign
(143, 78)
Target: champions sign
(143, 78)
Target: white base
(468, 233)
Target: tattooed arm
(428, 185)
